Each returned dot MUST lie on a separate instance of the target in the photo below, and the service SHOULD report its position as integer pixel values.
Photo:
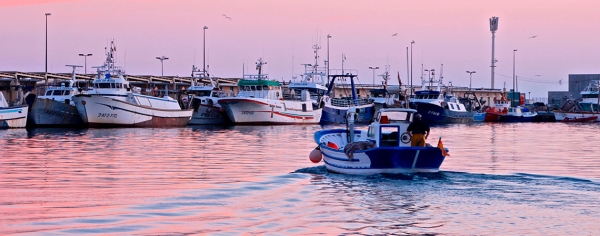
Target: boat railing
(347, 102)
(343, 72)
(313, 70)
(268, 94)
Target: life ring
(405, 138)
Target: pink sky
(453, 33)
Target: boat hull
(479, 116)
(560, 115)
(389, 160)
(251, 111)
(209, 115)
(337, 115)
(13, 117)
(100, 111)
(586, 119)
(492, 117)
(432, 113)
(48, 112)
(512, 118)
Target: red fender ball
(315, 155)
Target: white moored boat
(113, 103)
(205, 102)
(260, 101)
(589, 106)
(12, 116)
(313, 80)
(55, 107)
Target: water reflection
(499, 179)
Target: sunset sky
(453, 33)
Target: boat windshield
(200, 93)
(108, 85)
(397, 116)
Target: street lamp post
(204, 51)
(374, 68)
(411, 70)
(162, 58)
(47, 14)
(85, 60)
(328, 62)
(514, 51)
(470, 74)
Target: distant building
(576, 84)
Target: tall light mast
(493, 28)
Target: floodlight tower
(493, 28)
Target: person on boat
(155, 91)
(418, 131)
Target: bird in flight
(395, 34)
(227, 17)
(533, 36)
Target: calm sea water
(501, 179)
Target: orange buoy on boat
(332, 145)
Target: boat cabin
(446, 101)
(389, 127)
(260, 88)
(59, 91)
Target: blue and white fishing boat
(440, 107)
(383, 148)
(336, 108)
(313, 80)
(112, 102)
(204, 99)
(518, 114)
(56, 107)
(12, 116)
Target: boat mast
(316, 47)
(193, 82)
(441, 78)
(73, 75)
(353, 90)
(259, 65)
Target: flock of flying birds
(396, 34)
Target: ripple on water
(499, 179)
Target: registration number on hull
(107, 115)
(434, 113)
(247, 112)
